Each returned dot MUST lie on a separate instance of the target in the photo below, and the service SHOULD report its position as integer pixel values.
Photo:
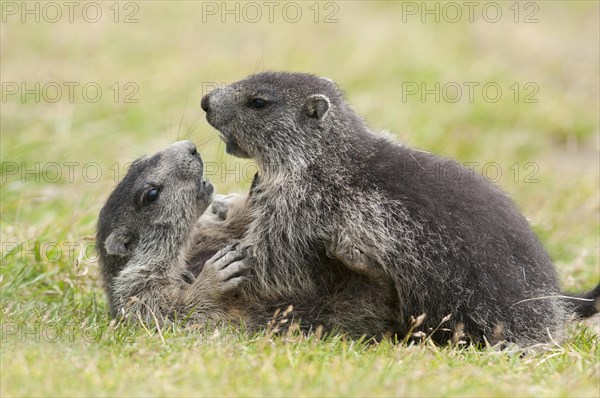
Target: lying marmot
(152, 246)
(146, 235)
(330, 187)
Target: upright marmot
(330, 187)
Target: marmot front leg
(225, 271)
(342, 248)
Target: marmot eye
(258, 103)
(150, 196)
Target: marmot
(457, 250)
(146, 234)
(153, 248)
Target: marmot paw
(229, 267)
(221, 204)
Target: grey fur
(406, 240)
(145, 247)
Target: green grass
(191, 364)
(56, 336)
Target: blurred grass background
(170, 56)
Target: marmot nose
(187, 146)
(204, 102)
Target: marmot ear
(317, 106)
(119, 242)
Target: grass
(187, 364)
(56, 337)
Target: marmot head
(275, 118)
(152, 210)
